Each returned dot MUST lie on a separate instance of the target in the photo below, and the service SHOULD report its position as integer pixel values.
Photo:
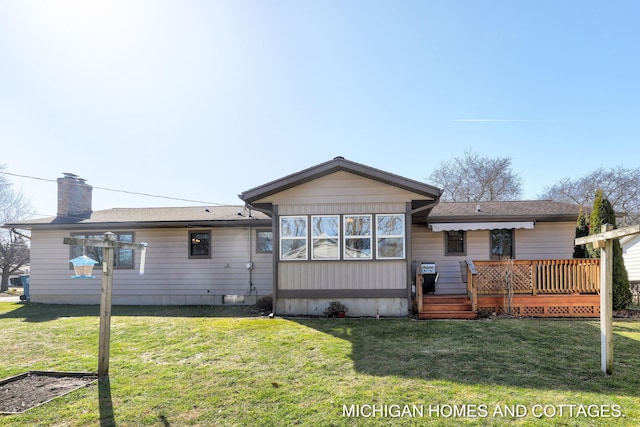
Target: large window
(325, 237)
(455, 242)
(199, 244)
(501, 244)
(123, 258)
(357, 237)
(390, 236)
(293, 237)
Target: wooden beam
(605, 235)
(97, 243)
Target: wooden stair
(446, 307)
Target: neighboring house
(339, 230)
(631, 254)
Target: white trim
(470, 226)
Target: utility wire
(123, 191)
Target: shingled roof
(521, 210)
(197, 216)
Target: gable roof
(520, 210)
(194, 216)
(335, 165)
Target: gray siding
(170, 276)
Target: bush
(265, 303)
(336, 309)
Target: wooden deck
(538, 288)
(459, 306)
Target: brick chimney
(74, 197)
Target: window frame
(315, 238)
(96, 253)
(447, 240)
(381, 236)
(190, 244)
(282, 239)
(345, 237)
(259, 249)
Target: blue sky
(202, 100)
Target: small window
(501, 244)
(390, 236)
(357, 237)
(293, 238)
(123, 258)
(264, 241)
(455, 242)
(325, 237)
(200, 244)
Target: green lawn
(205, 366)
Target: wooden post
(109, 244)
(105, 306)
(606, 303)
(604, 241)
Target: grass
(218, 366)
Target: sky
(202, 100)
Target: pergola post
(604, 241)
(109, 244)
(606, 303)
(105, 306)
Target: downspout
(250, 263)
(273, 213)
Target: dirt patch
(22, 392)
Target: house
(195, 255)
(631, 255)
(339, 230)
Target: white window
(390, 236)
(357, 237)
(293, 238)
(325, 237)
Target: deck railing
(563, 276)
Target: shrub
(336, 309)
(265, 303)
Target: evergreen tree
(603, 213)
(582, 230)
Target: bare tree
(14, 248)
(472, 178)
(620, 185)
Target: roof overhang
(472, 226)
(335, 165)
(127, 225)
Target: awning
(468, 226)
